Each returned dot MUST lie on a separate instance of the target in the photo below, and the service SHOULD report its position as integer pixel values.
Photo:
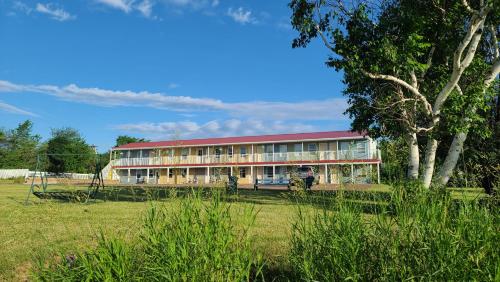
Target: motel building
(336, 157)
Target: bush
(197, 242)
(422, 235)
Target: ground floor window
(170, 173)
(243, 172)
(268, 172)
(184, 172)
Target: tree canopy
(19, 146)
(67, 151)
(417, 69)
(125, 139)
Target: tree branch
(469, 8)
(403, 83)
(494, 42)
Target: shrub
(421, 235)
(197, 244)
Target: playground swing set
(39, 188)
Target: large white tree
(413, 68)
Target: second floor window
(312, 147)
(243, 151)
(230, 151)
(184, 153)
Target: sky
(162, 69)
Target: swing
(39, 190)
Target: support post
(273, 159)
(207, 178)
(302, 151)
(274, 173)
(128, 176)
(147, 175)
(352, 173)
(253, 158)
(378, 173)
(187, 175)
(251, 174)
(326, 174)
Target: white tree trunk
(452, 158)
(413, 159)
(430, 158)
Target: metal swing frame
(40, 190)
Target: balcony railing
(248, 158)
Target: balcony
(247, 158)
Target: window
(230, 151)
(243, 151)
(184, 172)
(312, 147)
(361, 148)
(268, 172)
(184, 153)
(218, 152)
(243, 172)
(170, 173)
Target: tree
(413, 68)
(125, 139)
(19, 146)
(67, 151)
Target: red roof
(246, 139)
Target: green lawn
(46, 228)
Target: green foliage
(198, 242)
(112, 260)
(394, 153)
(125, 139)
(422, 235)
(19, 146)
(67, 151)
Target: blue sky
(162, 69)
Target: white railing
(247, 158)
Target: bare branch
(404, 84)
(459, 89)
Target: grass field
(47, 228)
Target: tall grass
(199, 243)
(196, 242)
(421, 235)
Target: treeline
(65, 151)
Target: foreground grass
(46, 228)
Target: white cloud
(215, 3)
(146, 8)
(214, 128)
(55, 13)
(124, 5)
(21, 7)
(329, 109)
(15, 110)
(241, 15)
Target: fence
(13, 173)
